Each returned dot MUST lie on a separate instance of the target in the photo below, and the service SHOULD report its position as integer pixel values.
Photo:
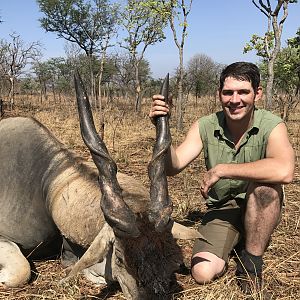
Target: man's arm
(177, 158)
(277, 167)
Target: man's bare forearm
(268, 170)
(171, 162)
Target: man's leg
(206, 267)
(219, 227)
(263, 211)
(262, 215)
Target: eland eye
(119, 261)
(119, 258)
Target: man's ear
(258, 94)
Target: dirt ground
(129, 139)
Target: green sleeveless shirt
(219, 149)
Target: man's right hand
(158, 108)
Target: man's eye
(227, 93)
(244, 92)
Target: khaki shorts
(223, 229)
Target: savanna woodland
(120, 86)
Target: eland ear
(182, 232)
(95, 253)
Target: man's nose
(235, 97)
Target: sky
(219, 29)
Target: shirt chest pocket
(217, 154)
(253, 153)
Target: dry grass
(130, 138)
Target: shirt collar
(253, 129)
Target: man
(248, 157)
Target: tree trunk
(285, 115)
(101, 117)
(1, 108)
(269, 86)
(179, 104)
(12, 92)
(92, 90)
(54, 94)
(277, 30)
(137, 88)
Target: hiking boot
(249, 276)
(252, 286)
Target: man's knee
(203, 273)
(206, 267)
(265, 194)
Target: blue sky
(217, 28)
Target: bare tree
(122, 76)
(14, 57)
(177, 12)
(144, 27)
(268, 46)
(202, 75)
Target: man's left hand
(209, 179)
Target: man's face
(237, 98)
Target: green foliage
(286, 77)
(28, 85)
(84, 22)
(57, 73)
(295, 41)
(162, 8)
(287, 66)
(144, 25)
(286, 69)
(121, 74)
(202, 75)
(262, 45)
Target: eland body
(48, 193)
